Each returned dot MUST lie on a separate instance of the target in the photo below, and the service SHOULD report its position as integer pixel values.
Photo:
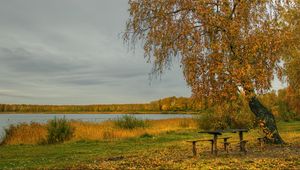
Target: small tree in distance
(226, 47)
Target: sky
(72, 52)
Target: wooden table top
(219, 132)
(235, 130)
(213, 132)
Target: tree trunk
(266, 121)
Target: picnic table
(217, 133)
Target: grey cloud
(14, 94)
(84, 81)
(70, 52)
(23, 61)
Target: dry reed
(35, 133)
(25, 134)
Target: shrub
(288, 116)
(209, 120)
(130, 122)
(59, 130)
(224, 116)
(146, 135)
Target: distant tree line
(77, 108)
(284, 103)
(166, 104)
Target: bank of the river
(127, 112)
(164, 151)
(14, 119)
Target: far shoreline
(127, 112)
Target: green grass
(168, 150)
(64, 155)
(292, 126)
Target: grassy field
(167, 150)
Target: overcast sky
(71, 52)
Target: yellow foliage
(224, 46)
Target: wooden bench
(226, 143)
(194, 149)
(261, 142)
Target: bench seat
(261, 142)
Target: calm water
(8, 119)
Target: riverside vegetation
(60, 130)
(129, 143)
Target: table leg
(261, 143)
(216, 142)
(194, 149)
(241, 138)
(225, 144)
(212, 147)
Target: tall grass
(30, 133)
(97, 131)
(59, 130)
(130, 122)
